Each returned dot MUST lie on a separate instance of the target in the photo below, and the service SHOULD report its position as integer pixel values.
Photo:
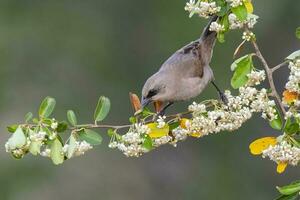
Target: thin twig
(269, 72)
(279, 66)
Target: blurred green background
(77, 50)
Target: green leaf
(147, 112)
(244, 67)
(276, 123)
(173, 125)
(292, 128)
(288, 197)
(298, 32)
(28, 117)
(71, 147)
(72, 117)
(221, 37)
(56, 153)
(35, 148)
(240, 12)
(234, 64)
(225, 22)
(102, 109)
(62, 126)
(47, 106)
(148, 144)
(224, 7)
(90, 136)
(17, 140)
(12, 128)
(289, 189)
(294, 55)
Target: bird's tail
(207, 41)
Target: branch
(279, 66)
(269, 72)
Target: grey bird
(185, 74)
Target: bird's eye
(151, 93)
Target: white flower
(283, 153)
(54, 125)
(81, 148)
(215, 26)
(235, 3)
(256, 77)
(235, 23)
(46, 152)
(294, 77)
(248, 36)
(203, 9)
(37, 137)
(161, 121)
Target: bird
(184, 75)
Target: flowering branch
(45, 136)
(269, 72)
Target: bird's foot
(223, 98)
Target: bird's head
(155, 89)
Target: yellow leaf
(183, 123)
(249, 6)
(281, 167)
(197, 134)
(156, 132)
(289, 97)
(257, 146)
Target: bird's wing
(185, 62)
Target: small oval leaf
(294, 55)
(72, 117)
(72, 146)
(56, 153)
(18, 139)
(90, 137)
(102, 109)
(289, 189)
(47, 106)
(28, 117)
(240, 12)
(244, 66)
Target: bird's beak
(145, 102)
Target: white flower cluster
(37, 137)
(203, 9)
(80, 148)
(235, 3)
(294, 78)
(256, 77)
(161, 121)
(215, 26)
(235, 23)
(131, 144)
(248, 36)
(283, 153)
(231, 116)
